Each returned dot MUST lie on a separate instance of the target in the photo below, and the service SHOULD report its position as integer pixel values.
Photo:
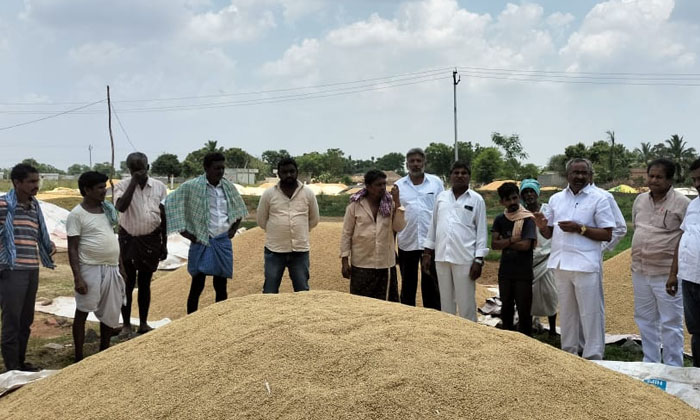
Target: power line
(548, 79)
(122, 127)
(51, 116)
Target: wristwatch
(582, 230)
(479, 260)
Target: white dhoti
(457, 290)
(581, 313)
(105, 293)
(659, 317)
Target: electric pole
(455, 82)
(90, 152)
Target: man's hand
(234, 228)
(569, 226)
(475, 271)
(53, 249)
(540, 220)
(80, 286)
(346, 270)
(515, 239)
(672, 284)
(395, 195)
(139, 176)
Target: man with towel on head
(207, 210)
(93, 253)
(544, 288)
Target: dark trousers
(408, 263)
(17, 296)
(297, 263)
(518, 293)
(373, 282)
(691, 309)
(198, 286)
(137, 274)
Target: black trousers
(518, 293)
(198, 286)
(17, 296)
(409, 262)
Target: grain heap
(170, 292)
(619, 297)
(325, 355)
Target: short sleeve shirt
(98, 243)
(515, 265)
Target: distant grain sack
(330, 355)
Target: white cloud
(560, 20)
(104, 53)
(628, 33)
(298, 61)
(232, 23)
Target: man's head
(460, 175)
(578, 172)
(415, 162)
(25, 180)
(509, 194)
(375, 182)
(287, 171)
(214, 167)
(660, 174)
(93, 185)
(530, 192)
(137, 161)
(695, 174)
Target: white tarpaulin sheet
(64, 306)
(14, 379)
(683, 382)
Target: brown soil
(169, 293)
(329, 355)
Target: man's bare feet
(126, 331)
(144, 328)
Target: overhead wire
(122, 127)
(73, 110)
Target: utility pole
(111, 139)
(455, 82)
(90, 152)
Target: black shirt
(515, 265)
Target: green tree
(681, 155)
(273, 157)
(77, 169)
(439, 158)
(529, 170)
(166, 164)
(487, 165)
(557, 163)
(43, 168)
(644, 153)
(310, 164)
(393, 161)
(104, 168)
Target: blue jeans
(296, 262)
(691, 308)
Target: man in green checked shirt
(207, 210)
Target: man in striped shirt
(24, 242)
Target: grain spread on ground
(330, 355)
(169, 293)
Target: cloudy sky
(367, 76)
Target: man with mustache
(418, 193)
(24, 241)
(578, 220)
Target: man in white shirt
(686, 267)
(578, 220)
(457, 243)
(93, 253)
(287, 212)
(418, 193)
(143, 242)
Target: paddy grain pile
(619, 297)
(330, 355)
(170, 291)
